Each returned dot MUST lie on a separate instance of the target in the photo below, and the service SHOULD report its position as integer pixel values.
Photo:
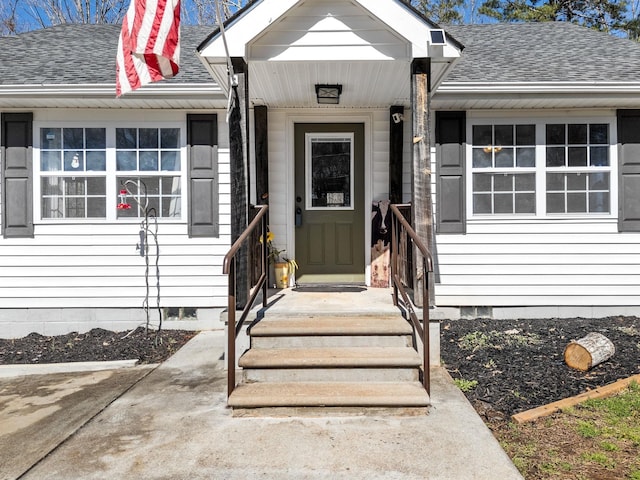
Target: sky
(26, 20)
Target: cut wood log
(589, 351)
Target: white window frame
(540, 121)
(112, 188)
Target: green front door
(329, 203)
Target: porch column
(422, 211)
(396, 138)
(262, 154)
(239, 159)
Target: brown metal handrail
(402, 228)
(229, 268)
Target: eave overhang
(103, 95)
(532, 95)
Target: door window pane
(329, 170)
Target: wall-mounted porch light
(328, 94)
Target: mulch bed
(96, 345)
(519, 364)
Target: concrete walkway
(173, 423)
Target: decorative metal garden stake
(148, 227)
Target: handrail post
(394, 256)
(231, 329)
(229, 268)
(401, 227)
(425, 330)
(265, 261)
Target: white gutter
(108, 90)
(579, 88)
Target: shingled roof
(542, 52)
(76, 54)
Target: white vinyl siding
(348, 33)
(542, 263)
(80, 263)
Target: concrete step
(339, 357)
(331, 326)
(316, 341)
(330, 375)
(329, 394)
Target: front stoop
(330, 361)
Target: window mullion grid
(541, 170)
(112, 187)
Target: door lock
(298, 217)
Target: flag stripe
(149, 45)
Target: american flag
(149, 46)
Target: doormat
(330, 288)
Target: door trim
(329, 116)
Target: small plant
(465, 385)
(474, 341)
(631, 331)
(556, 467)
(588, 429)
(491, 364)
(479, 340)
(599, 458)
(518, 395)
(276, 255)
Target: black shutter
(629, 170)
(17, 176)
(450, 164)
(202, 147)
